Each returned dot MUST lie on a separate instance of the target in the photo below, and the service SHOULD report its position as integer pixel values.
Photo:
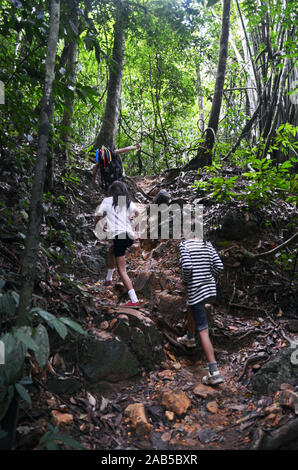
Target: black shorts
(121, 244)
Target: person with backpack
(200, 265)
(119, 209)
(110, 165)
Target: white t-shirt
(117, 220)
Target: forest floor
(249, 326)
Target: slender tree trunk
(108, 131)
(204, 153)
(278, 106)
(28, 267)
(220, 77)
(72, 48)
(200, 97)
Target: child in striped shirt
(200, 265)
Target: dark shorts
(121, 244)
(200, 316)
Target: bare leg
(207, 345)
(111, 259)
(121, 265)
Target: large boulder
(129, 344)
(146, 283)
(141, 335)
(283, 368)
(170, 304)
(236, 225)
(105, 357)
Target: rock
(288, 398)
(204, 391)
(146, 283)
(278, 370)
(293, 326)
(105, 357)
(166, 374)
(178, 402)
(66, 386)
(93, 262)
(166, 436)
(170, 415)
(59, 418)
(162, 197)
(104, 325)
(238, 226)
(137, 415)
(207, 435)
(141, 335)
(169, 304)
(212, 407)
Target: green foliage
(26, 338)
(62, 325)
(285, 139)
(265, 180)
(54, 440)
(70, 178)
(268, 180)
(285, 260)
(220, 188)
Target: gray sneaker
(188, 341)
(213, 379)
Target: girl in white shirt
(118, 210)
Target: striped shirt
(200, 264)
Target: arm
(216, 263)
(134, 215)
(100, 211)
(128, 149)
(95, 169)
(186, 264)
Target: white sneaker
(213, 379)
(188, 341)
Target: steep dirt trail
(224, 417)
(229, 416)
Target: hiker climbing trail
(129, 384)
(148, 166)
(223, 417)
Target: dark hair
(117, 189)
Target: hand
(139, 145)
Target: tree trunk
(204, 153)
(71, 55)
(200, 97)
(220, 76)
(108, 131)
(33, 232)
